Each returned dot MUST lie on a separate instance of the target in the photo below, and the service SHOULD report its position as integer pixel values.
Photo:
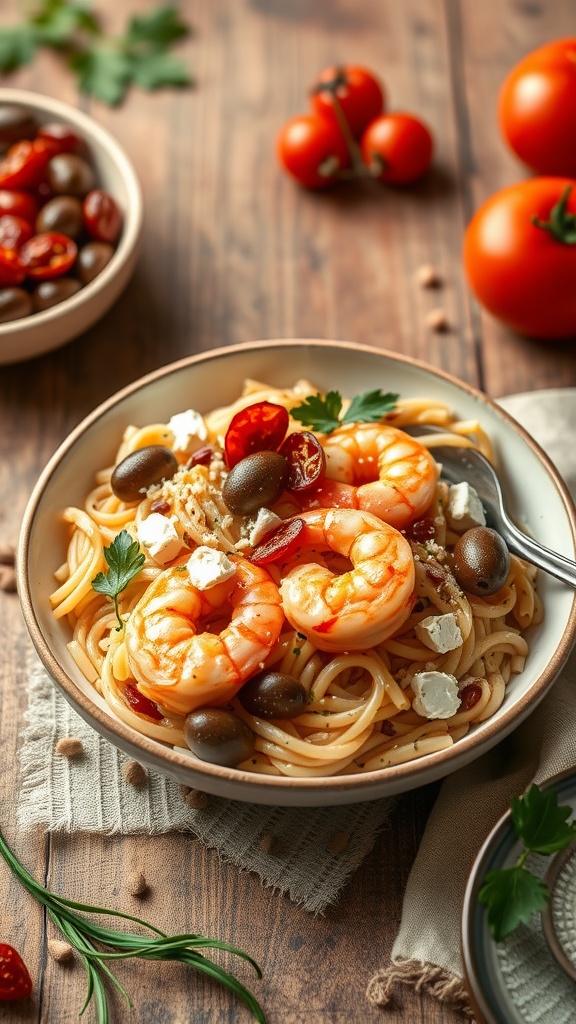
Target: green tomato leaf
(158, 28)
(370, 407)
(540, 823)
(103, 73)
(17, 47)
(156, 70)
(512, 896)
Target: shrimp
(364, 605)
(379, 469)
(181, 668)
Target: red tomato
(258, 428)
(11, 270)
(102, 216)
(24, 164)
(537, 109)
(60, 138)
(18, 204)
(15, 982)
(358, 92)
(312, 150)
(14, 231)
(48, 255)
(281, 544)
(398, 147)
(524, 272)
(141, 704)
(306, 460)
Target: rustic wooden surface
(234, 251)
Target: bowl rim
(153, 751)
(133, 214)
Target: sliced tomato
(306, 460)
(48, 255)
(60, 138)
(280, 544)
(25, 164)
(18, 204)
(11, 269)
(141, 704)
(260, 427)
(14, 231)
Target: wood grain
(234, 251)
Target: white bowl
(41, 332)
(533, 488)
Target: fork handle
(560, 566)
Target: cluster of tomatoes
(349, 134)
(520, 246)
(57, 228)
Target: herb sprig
(322, 412)
(125, 561)
(105, 66)
(82, 934)
(513, 895)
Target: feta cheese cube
(190, 431)
(464, 509)
(435, 694)
(158, 535)
(441, 633)
(265, 522)
(207, 567)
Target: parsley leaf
(323, 413)
(513, 894)
(56, 21)
(17, 47)
(155, 70)
(102, 73)
(159, 28)
(125, 561)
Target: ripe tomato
(24, 164)
(18, 204)
(48, 255)
(359, 93)
(60, 138)
(15, 982)
(102, 216)
(312, 150)
(14, 231)
(11, 269)
(523, 272)
(398, 147)
(257, 428)
(537, 109)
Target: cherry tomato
(24, 164)
(102, 216)
(60, 138)
(312, 150)
(15, 982)
(306, 460)
(358, 92)
(260, 427)
(18, 204)
(524, 272)
(280, 544)
(48, 255)
(14, 231)
(141, 704)
(11, 269)
(398, 147)
(537, 109)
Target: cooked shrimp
(181, 668)
(379, 469)
(365, 604)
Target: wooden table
(234, 251)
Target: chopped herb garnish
(125, 561)
(513, 895)
(322, 413)
(296, 650)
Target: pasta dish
(287, 585)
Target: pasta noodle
(361, 711)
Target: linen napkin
(426, 952)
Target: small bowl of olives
(217, 740)
(70, 223)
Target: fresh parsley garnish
(323, 412)
(105, 66)
(513, 895)
(125, 561)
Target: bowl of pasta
(247, 571)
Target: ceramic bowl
(41, 332)
(533, 488)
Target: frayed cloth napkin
(426, 952)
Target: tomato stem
(562, 225)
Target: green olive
(273, 695)
(143, 469)
(481, 562)
(255, 482)
(218, 736)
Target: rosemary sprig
(82, 934)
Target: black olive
(255, 482)
(141, 470)
(218, 736)
(62, 214)
(273, 695)
(481, 561)
(50, 293)
(16, 123)
(69, 174)
(92, 258)
(14, 303)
